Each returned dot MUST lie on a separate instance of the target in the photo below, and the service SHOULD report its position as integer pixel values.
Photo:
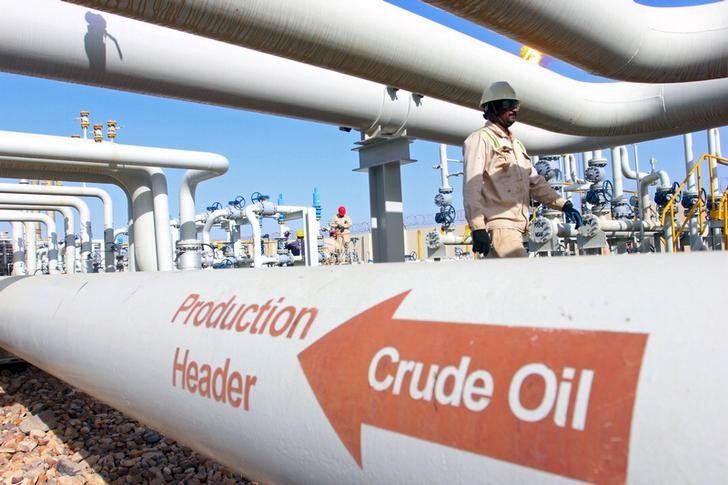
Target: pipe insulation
(378, 41)
(321, 383)
(121, 53)
(619, 39)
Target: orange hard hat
(342, 210)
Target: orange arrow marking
(552, 399)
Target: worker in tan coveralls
(499, 178)
(340, 229)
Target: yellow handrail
(721, 213)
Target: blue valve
(214, 206)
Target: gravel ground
(52, 434)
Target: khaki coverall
(342, 225)
(499, 178)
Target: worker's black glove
(481, 241)
(572, 215)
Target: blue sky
(269, 154)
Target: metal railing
(719, 210)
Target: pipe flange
(540, 231)
(590, 227)
(434, 240)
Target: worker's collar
(498, 130)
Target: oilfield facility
(258, 334)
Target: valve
(433, 240)
(98, 133)
(664, 194)
(213, 207)
(238, 202)
(622, 209)
(258, 197)
(446, 216)
(111, 130)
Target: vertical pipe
(19, 268)
(444, 182)
(617, 177)
(160, 202)
(713, 150)
(31, 254)
(692, 188)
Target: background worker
(499, 179)
(340, 229)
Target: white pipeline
(16, 215)
(364, 39)
(69, 238)
(620, 39)
(55, 149)
(168, 63)
(108, 214)
(297, 383)
(85, 232)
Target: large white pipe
(69, 222)
(108, 214)
(297, 383)
(18, 231)
(613, 38)
(364, 39)
(168, 63)
(85, 231)
(16, 215)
